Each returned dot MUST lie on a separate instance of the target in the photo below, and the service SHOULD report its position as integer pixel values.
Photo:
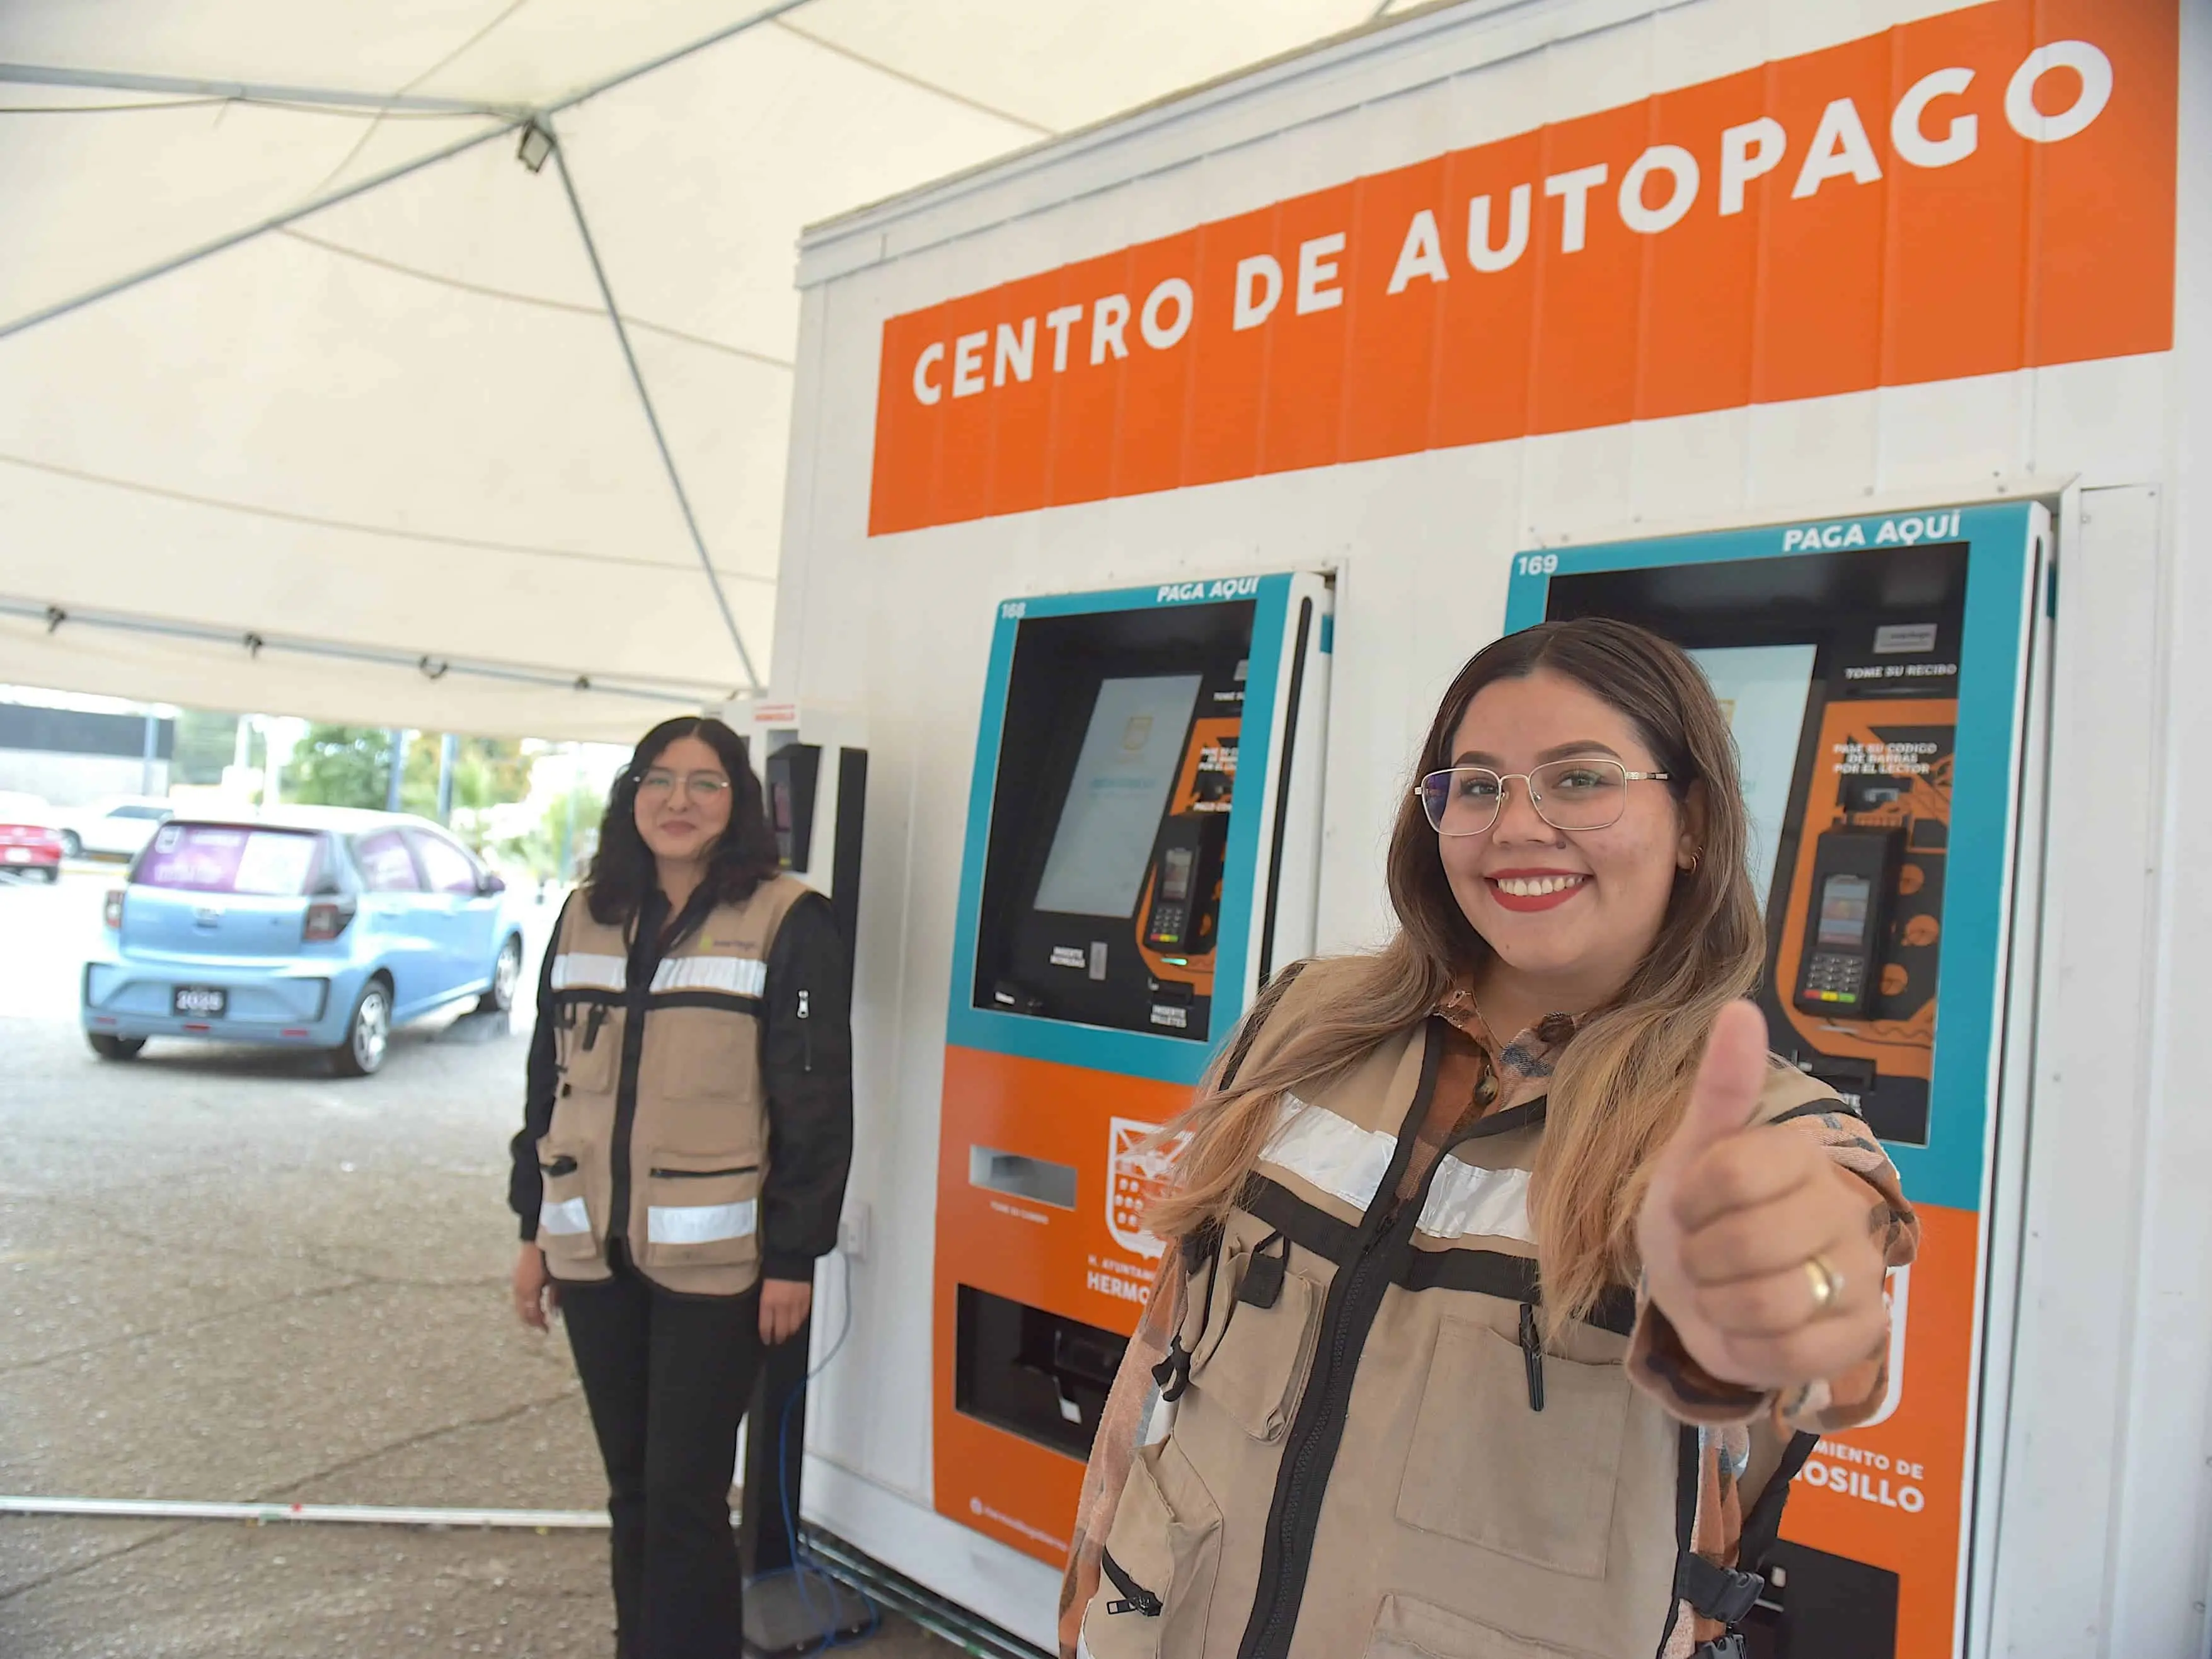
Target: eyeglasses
(1569, 794)
(698, 786)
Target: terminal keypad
(1834, 977)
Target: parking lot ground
(227, 1274)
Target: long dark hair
(1621, 1084)
(743, 857)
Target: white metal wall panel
(1423, 543)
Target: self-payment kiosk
(1142, 843)
(1879, 677)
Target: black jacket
(806, 1073)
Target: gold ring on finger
(1827, 1284)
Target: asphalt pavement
(227, 1274)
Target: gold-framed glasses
(1589, 793)
(660, 783)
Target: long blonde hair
(1621, 1084)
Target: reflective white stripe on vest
(1330, 1151)
(1465, 1200)
(579, 969)
(1333, 1153)
(740, 975)
(567, 1218)
(699, 1224)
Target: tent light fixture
(55, 617)
(537, 145)
(254, 643)
(433, 671)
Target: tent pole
(151, 747)
(767, 14)
(395, 767)
(508, 122)
(643, 687)
(40, 75)
(448, 748)
(652, 419)
(62, 308)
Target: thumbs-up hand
(1756, 1245)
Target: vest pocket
(567, 1230)
(591, 1047)
(1538, 1486)
(1407, 1629)
(1166, 1546)
(1255, 1356)
(690, 1053)
(702, 1209)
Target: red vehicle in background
(28, 843)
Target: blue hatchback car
(308, 927)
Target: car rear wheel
(369, 1033)
(114, 1048)
(504, 978)
(72, 844)
(50, 874)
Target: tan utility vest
(685, 1170)
(1376, 1453)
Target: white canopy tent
(310, 398)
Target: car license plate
(19, 855)
(199, 1001)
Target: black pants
(667, 1378)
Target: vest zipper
(1337, 1377)
(1318, 1431)
(1355, 1296)
(702, 1174)
(1134, 1597)
(806, 1035)
(1532, 1352)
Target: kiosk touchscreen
(1875, 673)
(1840, 672)
(1143, 836)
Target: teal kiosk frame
(1898, 1498)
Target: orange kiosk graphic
(1142, 842)
(1876, 674)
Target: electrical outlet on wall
(852, 1233)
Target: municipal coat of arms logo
(1134, 1177)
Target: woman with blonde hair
(1511, 1277)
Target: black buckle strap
(1730, 1646)
(1262, 1286)
(1136, 1598)
(1715, 1592)
(1173, 1373)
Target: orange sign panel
(1988, 190)
(1093, 1263)
(1893, 1493)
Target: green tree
(347, 766)
(342, 766)
(205, 744)
(487, 772)
(539, 851)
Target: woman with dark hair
(1513, 1278)
(686, 1133)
